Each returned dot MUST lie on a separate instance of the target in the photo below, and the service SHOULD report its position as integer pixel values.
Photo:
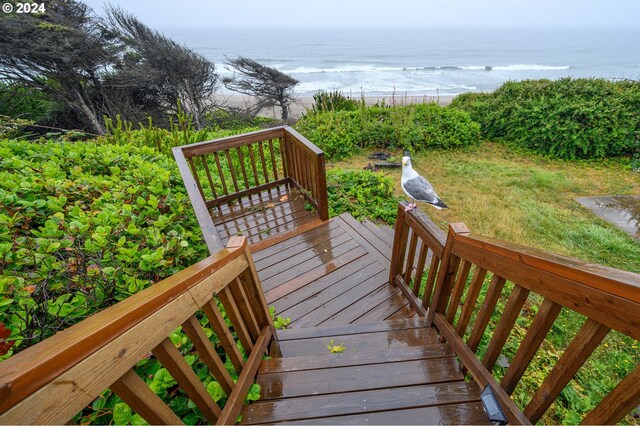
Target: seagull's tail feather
(440, 204)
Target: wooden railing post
(399, 244)
(448, 269)
(321, 179)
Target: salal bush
(83, 226)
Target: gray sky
(162, 14)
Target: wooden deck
(391, 372)
(334, 274)
(273, 213)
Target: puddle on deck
(623, 211)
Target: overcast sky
(164, 14)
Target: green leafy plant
(278, 322)
(416, 127)
(566, 118)
(335, 349)
(361, 193)
(333, 101)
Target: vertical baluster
(410, 258)
(422, 260)
(282, 145)
(484, 314)
(208, 173)
(195, 175)
(263, 162)
(243, 168)
(221, 174)
(431, 279)
(219, 327)
(470, 301)
(274, 164)
(503, 329)
(458, 290)
(253, 165)
(207, 353)
(236, 319)
(541, 325)
(232, 170)
(618, 403)
(242, 301)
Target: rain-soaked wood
(586, 340)
(359, 402)
(195, 176)
(171, 359)
(618, 403)
(243, 168)
(245, 309)
(208, 173)
(141, 399)
(503, 329)
(207, 353)
(413, 243)
(536, 334)
(228, 142)
(253, 166)
(263, 163)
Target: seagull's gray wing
(420, 189)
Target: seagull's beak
(404, 162)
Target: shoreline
(302, 103)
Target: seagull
(418, 188)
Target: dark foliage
(95, 67)
(267, 85)
(566, 118)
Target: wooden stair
(390, 372)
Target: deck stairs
(387, 370)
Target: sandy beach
(303, 103)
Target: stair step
(384, 236)
(357, 338)
(347, 359)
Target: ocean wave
(373, 68)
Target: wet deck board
(260, 217)
(334, 274)
(391, 372)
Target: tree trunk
(88, 114)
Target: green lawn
(526, 199)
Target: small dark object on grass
(370, 167)
(387, 165)
(380, 155)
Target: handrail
(52, 381)
(223, 170)
(607, 297)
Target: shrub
(83, 226)
(333, 101)
(566, 118)
(414, 127)
(361, 193)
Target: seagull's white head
(406, 162)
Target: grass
(526, 199)
(529, 200)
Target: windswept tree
(63, 53)
(97, 67)
(153, 72)
(268, 86)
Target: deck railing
(608, 298)
(55, 379)
(223, 170)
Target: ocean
(383, 61)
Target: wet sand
(303, 103)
